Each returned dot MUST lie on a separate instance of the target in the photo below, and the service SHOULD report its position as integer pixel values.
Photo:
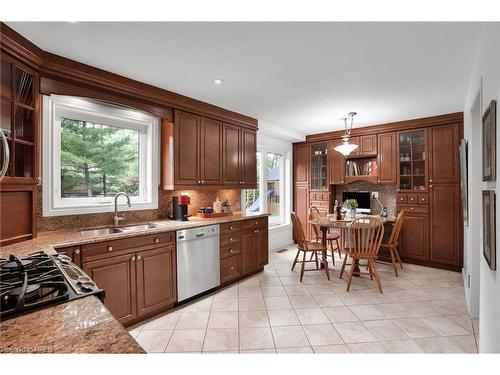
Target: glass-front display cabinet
(412, 160)
(319, 166)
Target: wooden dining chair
(330, 237)
(364, 236)
(392, 244)
(305, 247)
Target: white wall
(485, 75)
(274, 138)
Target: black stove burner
(37, 281)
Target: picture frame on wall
(489, 228)
(489, 142)
(464, 185)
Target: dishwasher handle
(198, 235)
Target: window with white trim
(93, 150)
(270, 192)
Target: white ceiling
(303, 77)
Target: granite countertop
(83, 325)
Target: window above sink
(93, 150)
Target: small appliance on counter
(180, 207)
(41, 280)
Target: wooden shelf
(372, 179)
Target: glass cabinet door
(319, 166)
(412, 160)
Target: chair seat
(332, 236)
(314, 246)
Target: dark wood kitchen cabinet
(155, 284)
(301, 163)
(337, 163)
(137, 274)
(387, 160)
(368, 145)
(254, 245)
(116, 275)
(444, 155)
(198, 145)
(239, 157)
(415, 237)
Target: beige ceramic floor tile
(456, 344)
(277, 303)
(303, 302)
(168, 321)
(354, 332)
(385, 330)
(463, 321)
(339, 314)
(297, 290)
(322, 334)
(225, 304)
(253, 319)
(223, 319)
(366, 312)
(328, 300)
(251, 304)
(445, 326)
(302, 350)
(250, 291)
(402, 346)
(190, 340)
(415, 328)
(135, 331)
(154, 341)
(199, 305)
(311, 316)
(258, 351)
(282, 318)
(273, 291)
(331, 349)
(221, 339)
(256, 338)
(289, 337)
(367, 348)
(193, 320)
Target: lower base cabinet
(414, 237)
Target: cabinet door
(337, 163)
(414, 242)
(186, 129)
(444, 143)
(355, 141)
(210, 151)
(248, 158)
(248, 251)
(445, 243)
(116, 275)
(18, 213)
(301, 206)
(387, 163)
(156, 286)
(262, 245)
(231, 155)
(368, 144)
(301, 163)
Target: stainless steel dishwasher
(198, 263)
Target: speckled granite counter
(83, 325)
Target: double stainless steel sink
(112, 230)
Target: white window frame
(56, 107)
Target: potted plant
(351, 205)
(226, 206)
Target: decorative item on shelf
(346, 148)
(208, 212)
(217, 206)
(351, 205)
(489, 142)
(226, 206)
(489, 228)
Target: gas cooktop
(40, 280)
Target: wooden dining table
(325, 223)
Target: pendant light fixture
(346, 148)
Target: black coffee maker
(180, 208)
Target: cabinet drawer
(229, 239)
(254, 223)
(230, 268)
(402, 198)
(230, 250)
(230, 227)
(423, 199)
(412, 199)
(409, 209)
(98, 249)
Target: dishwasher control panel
(199, 232)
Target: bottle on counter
(217, 206)
(337, 210)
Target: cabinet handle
(109, 249)
(138, 257)
(411, 208)
(203, 181)
(231, 268)
(430, 180)
(430, 186)
(231, 227)
(199, 181)
(132, 259)
(77, 251)
(378, 180)
(256, 231)
(231, 239)
(231, 251)
(157, 240)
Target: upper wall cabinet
(239, 166)
(198, 145)
(444, 154)
(319, 166)
(300, 163)
(387, 163)
(337, 163)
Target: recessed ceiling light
(218, 81)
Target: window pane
(273, 187)
(252, 199)
(98, 160)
